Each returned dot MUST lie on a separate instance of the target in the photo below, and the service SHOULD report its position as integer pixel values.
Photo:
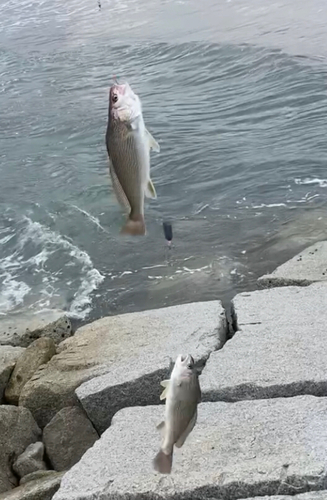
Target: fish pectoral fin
(163, 395)
(152, 142)
(150, 191)
(181, 440)
(165, 383)
(161, 425)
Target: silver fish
(128, 145)
(182, 393)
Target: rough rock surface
(8, 358)
(18, 429)
(23, 328)
(280, 350)
(31, 460)
(40, 489)
(307, 267)
(67, 437)
(37, 354)
(236, 450)
(131, 347)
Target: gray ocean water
(234, 92)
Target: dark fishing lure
(168, 232)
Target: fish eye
(114, 98)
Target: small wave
(44, 269)
(93, 219)
(307, 180)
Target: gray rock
(307, 267)
(40, 489)
(280, 350)
(31, 460)
(39, 474)
(22, 328)
(130, 347)
(37, 354)
(134, 379)
(236, 450)
(18, 429)
(8, 358)
(67, 437)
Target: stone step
(280, 349)
(236, 450)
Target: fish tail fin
(134, 226)
(163, 463)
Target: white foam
(270, 205)
(12, 293)
(47, 282)
(307, 180)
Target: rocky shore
(79, 410)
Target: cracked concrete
(281, 354)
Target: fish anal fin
(161, 425)
(181, 440)
(152, 142)
(150, 191)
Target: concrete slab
(239, 450)
(307, 267)
(279, 351)
(134, 349)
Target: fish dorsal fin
(152, 142)
(150, 191)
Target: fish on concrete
(182, 392)
(128, 145)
